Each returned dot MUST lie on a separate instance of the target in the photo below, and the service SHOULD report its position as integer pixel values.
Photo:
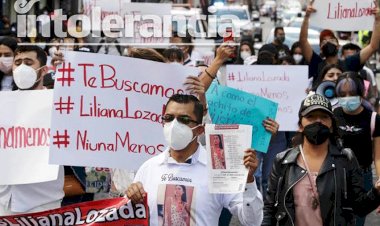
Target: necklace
(315, 201)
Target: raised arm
(208, 75)
(307, 50)
(367, 52)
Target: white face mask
(245, 54)
(178, 135)
(25, 76)
(297, 58)
(6, 64)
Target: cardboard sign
(231, 106)
(285, 85)
(107, 7)
(349, 15)
(24, 137)
(110, 212)
(108, 109)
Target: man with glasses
(184, 163)
(330, 47)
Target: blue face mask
(350, 104)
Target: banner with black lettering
(110, 212)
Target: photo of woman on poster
(177, 208)
(217, 151)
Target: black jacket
(339, 184)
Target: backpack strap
(373, 122)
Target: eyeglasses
(182, 119)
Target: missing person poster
(225, 146)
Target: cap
(325, 33)
(315, 102)
(270, 48)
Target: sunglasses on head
(182, 119)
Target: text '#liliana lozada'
(96, 110)
(339, 11)
(79, 216)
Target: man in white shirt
(28, 72)
(176, 180)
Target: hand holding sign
(195, 87)
(376, 10)
(57, 59)
(271, 126)
(136, 193)
(224, 51)
(251, 162)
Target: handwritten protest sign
(107, 7)
(205, 50)
(348, 15)
(110, 212)
(24, 137)
(231, 106)
(107, 109)
(285, 85)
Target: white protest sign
(285, 85)
(225, 145)
(24, 137)
(147, 21)
(107, 109)
(348, 15)
(107, 7)
(205, 50)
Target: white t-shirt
(161, 175)
(24, 197)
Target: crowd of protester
(321, 174)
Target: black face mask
(329, 50)
(316, 133)
(280, 38)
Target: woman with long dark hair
(330, 72)
(245, 51)
(358, 126)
